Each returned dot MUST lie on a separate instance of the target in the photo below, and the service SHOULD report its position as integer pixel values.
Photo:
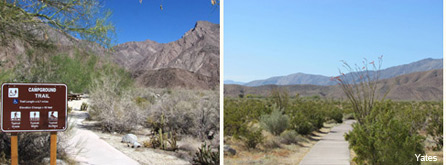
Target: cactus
(84, 106)
(172, 142)
(161, 139)
(206, 156)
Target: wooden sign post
(33, 107)
(53, 148)
(14, 149)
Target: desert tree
(83, 19)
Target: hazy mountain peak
(302, 78)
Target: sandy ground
(94, 147)
(142, 155)
(286, 154)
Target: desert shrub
(34, 147)
(276, 122)
(337, 116)
(186, 112)
(205, 156)
(385, 139)
(112, 103)
(252, 137)
(84, 106)
(240, 111)
(290, 137)
(280, 97)
(272, 142)
(435, 127)
(3, 159)
(303, 126)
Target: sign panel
(33, 107)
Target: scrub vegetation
(383, 127)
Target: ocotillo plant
(360, 86)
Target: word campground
(41, 89)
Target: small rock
(228, 149)
(58, 161)
(129, 138)
(136, 145)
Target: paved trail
(332, 148)
(94, 151)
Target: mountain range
(421, 86)
(311, 79)
(192, 62)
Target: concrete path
(332, 148)
(88, 148)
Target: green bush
(272, 142)
(337, 116)
(238, 112)
(435, 127)
(276, 122)
(252, 137)
(384, 139)
(290, 137)
(303, 126)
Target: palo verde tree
(83, 19)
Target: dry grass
(285, 154)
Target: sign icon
(52, 115)
(15, 116)
(13, 92)
(34, 116)
(15, 101)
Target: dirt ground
(286, 154)
(142, 155)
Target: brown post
(53, 148)
(14, 149)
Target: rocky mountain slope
(419, 86)
(196, 52)
(301, 78)
(176, 78)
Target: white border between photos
(444, 101)
(221, 80)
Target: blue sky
(136, 21)
(264, 38)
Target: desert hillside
(192, 62)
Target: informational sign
(32, 107)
